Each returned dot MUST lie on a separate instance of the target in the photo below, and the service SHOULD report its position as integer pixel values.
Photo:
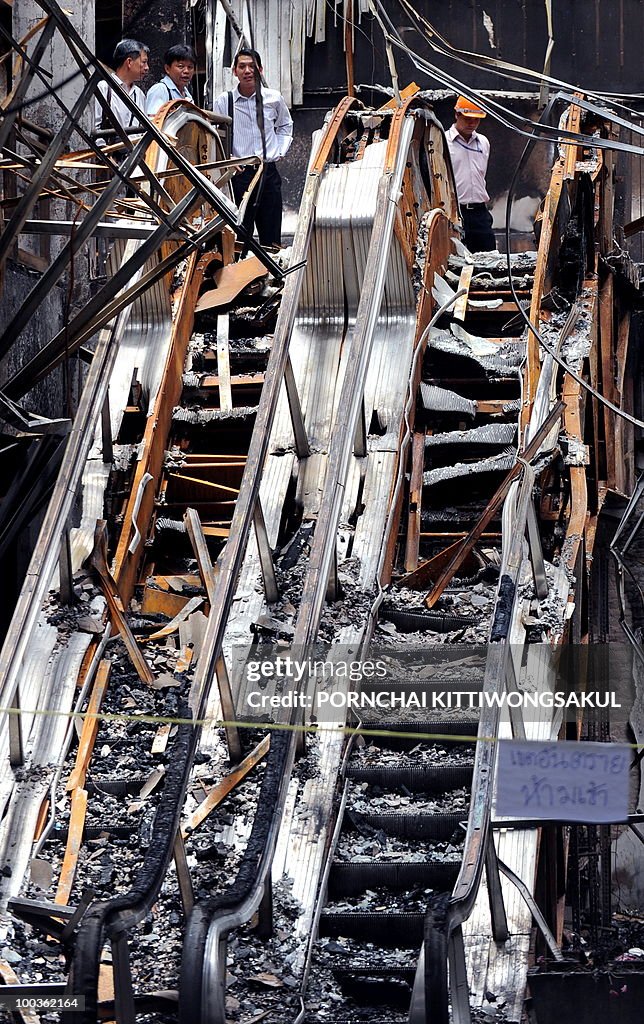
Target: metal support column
(516, 715)
(16, 750)
(264, 929)
(536, 554)
(302, 447)
(183, 874)
(265, 555)
(123, 990)
(495, 893)
(106, 430)
(66, 589)
(228, 710)
(333, 586)
(360, 440)
(459, 988)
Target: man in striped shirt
(262, 126)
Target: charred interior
(400, 466)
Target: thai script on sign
(563, 781)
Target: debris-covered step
(209, 418)
(495, 264)
(399, 930)
(380, 753)
(445, 408)
(459, 517)
(431, 827)
(415, 778)
(487, 357)
(388, 986)
(441, 448)
(403, 736)
(352, 878)
(361, 983)
(245, 355)
(362, 797)
(477, 474)
(205, 389)
(202, 431)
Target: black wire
(509, 119)
(502, 114)
(488, 64)
(361, 32)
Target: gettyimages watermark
(431, 683)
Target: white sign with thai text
(563, 781)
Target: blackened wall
(160, 24)
(598, 45)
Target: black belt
(472, 206)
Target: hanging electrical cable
(510, 119)
(493, 64)
(549, 349)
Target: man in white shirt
(470, 153)
(179, 64)
(131, 65)
(249, 105)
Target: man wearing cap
(470, 153)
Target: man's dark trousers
(477, 221)
(265, 205)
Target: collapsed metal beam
(101, 153)
(20, 89)
(30, 198)
(67, 253)
(100, 310)
(106, 305)
(104, 229)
